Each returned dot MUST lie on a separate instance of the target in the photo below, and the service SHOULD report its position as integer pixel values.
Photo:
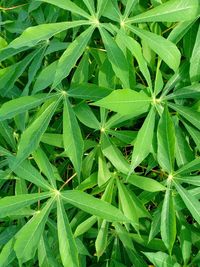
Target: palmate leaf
(67, 244)
(28, 237)
(171, 11)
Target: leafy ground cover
(100, 133)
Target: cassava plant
(100, 133)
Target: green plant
(100, 133)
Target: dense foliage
(99, 133)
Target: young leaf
(28, 237)
(125, 102)
(93, 205)
(72, 138)
(142, 146)
(166, 142)
(67, 244)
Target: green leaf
(11, 204)
(103, 170)
(102, 239)
(136, 51)
(31, 36)
(116, 58)
(126, 101)
(67, 244)
(69, 58)
(28, 237)
(45, 78)
(88, 91)
(194, 60)
(93, 205)
(114, 155)
(45, 166)
(161, 259)
(85, 226)
(143, 143)
(166, 50)
(166, 142)
(7, 254)
(191, 91)
(101, 7)
(168, 221)
(27, 172)
(190, 201)
(194, 180)
(191, 166)
(145, 183)
(68, 5)
(32, 135)
(72, 138)
(171, 11)
(188, 113)
(128, 205)
(185, 242)
(21, 104)
(7, 133)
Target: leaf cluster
(100, 133)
